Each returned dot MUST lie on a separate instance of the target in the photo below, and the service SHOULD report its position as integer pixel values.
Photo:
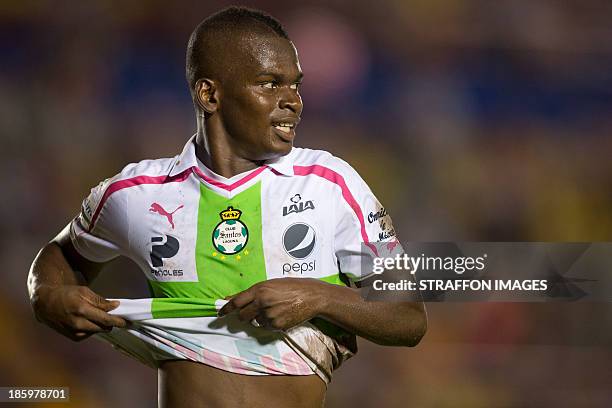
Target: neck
(214, 149)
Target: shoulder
(145, 171)
(149, 167)
(325, 164)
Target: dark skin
(237, 118)
(238, 133)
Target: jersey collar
(282, 165)
(187, 159)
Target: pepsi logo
(299, 240)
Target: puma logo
(156, 208)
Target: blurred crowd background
(472, 120)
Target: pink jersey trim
(229, 187)
(290, 363)
(136, 181)
(182, 176)
(330, 175)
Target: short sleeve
(98, 233)
(364, 229)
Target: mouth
(285, 130)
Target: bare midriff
(188, 384)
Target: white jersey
(199, 238)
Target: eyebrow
(276, 75)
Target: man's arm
(283, 303)
(57, 285)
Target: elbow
(406, 334)
(32, 280)
(415, 332)
(419, 331)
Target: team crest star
(222, 257)
(214, 254)
(246, 251)
(238, 257)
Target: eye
(296, 85)
(269, 85)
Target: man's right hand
(75, 311)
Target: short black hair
(200, 48)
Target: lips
(285, 136)
(285, 128)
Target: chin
(284, 148)
(278, 148)
(275, 152)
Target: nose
(290, 99)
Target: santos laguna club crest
(230, 236)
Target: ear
(206, 95)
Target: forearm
(59, 264)
(283, 303)
(49, 269)
(385, 323)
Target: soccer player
(248, 243)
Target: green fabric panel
(182, 307)
(333, 279)
(219, 274)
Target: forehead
(267, 53)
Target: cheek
(253, 107)
(247, 118)
(262, 106)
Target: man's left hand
(279, 304)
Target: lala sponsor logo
(297, 205)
